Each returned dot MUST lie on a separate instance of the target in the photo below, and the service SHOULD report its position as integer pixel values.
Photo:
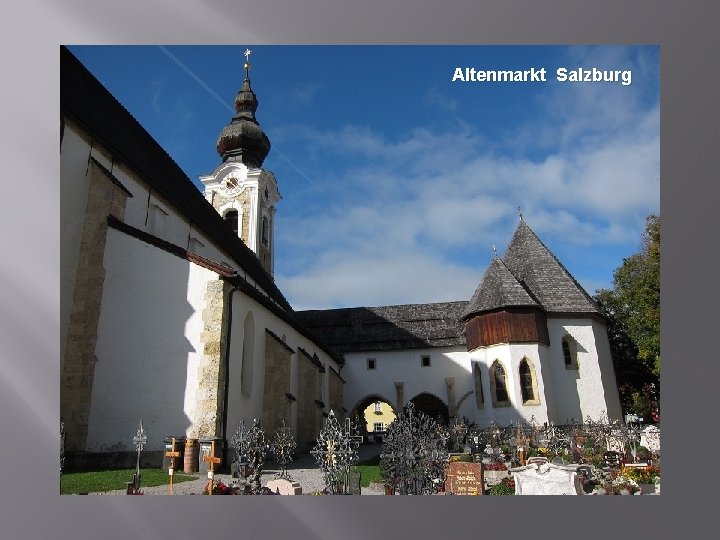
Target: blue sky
(396, 181)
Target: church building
(170, 313)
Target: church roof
(538, 270)
(498, 289)
(412, 326)
(87, 102)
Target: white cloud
(388, 229)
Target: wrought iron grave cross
(139, 440)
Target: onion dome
(243, 139)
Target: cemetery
(418, 456)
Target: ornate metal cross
(247, 54)
(335, 450)
(139, 440)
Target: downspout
(226, 389)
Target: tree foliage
(633, 311)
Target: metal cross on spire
(247, 54)
(520, 212)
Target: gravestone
(464, 478)
(650, 438)
(611, 459)
(209, 447)
(282, 486)
(354, 483)
(546, 479)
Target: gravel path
(303, 469)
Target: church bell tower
(241, 191)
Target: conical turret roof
(498, 289)
(544, 276)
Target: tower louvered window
(231, 218)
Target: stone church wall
(79, 356)
(309, 390)
(276, 405)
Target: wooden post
(172, 454)
(212, 460)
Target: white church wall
(510, 356)
(580, 392)
(148, 345)
(73, 201)
(405, 366)
(607, 371)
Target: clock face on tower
(230, 186)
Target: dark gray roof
(412, 326)
(537, 269)
(498, 289)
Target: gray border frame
(29, 504)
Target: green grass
(369, 471)
(86, 482)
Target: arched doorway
(432, 406)
(372, 414)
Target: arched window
(248, 355)
(528, 383)
(569, 353)
(479, 395)
(231, 218)
(498, 385)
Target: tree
(633, 311)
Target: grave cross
(139, 440)
(356, 439)
(172, 454)
(212, 460)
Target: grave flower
(645, 475)
(220, 489)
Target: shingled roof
(412, 326)
(498, 289)
(87, 102)
(537, 269)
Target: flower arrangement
(621, 486)
(642, 475)
(496, 466)
(504, 487)
(220, 489)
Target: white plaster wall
(607, 371)
(148, 345)
(510, 356)
(405, 366)
(591, 389)
(74, 153)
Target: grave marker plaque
(464, 478)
